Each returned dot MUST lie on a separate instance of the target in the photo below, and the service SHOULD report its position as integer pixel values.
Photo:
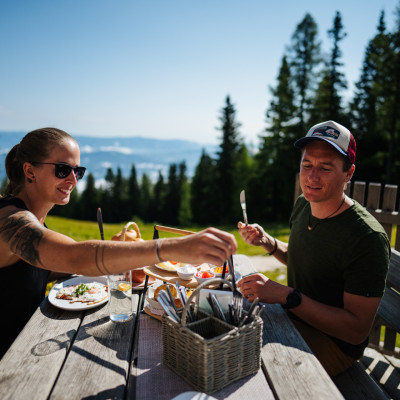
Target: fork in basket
(237, 296)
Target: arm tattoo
(99, 259)
(20, 230)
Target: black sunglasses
(63, 170)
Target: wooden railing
(382, 204)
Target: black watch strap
(292, 300)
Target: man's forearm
(351, 324)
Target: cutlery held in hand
(100, 222)
(243, 204)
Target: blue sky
(158, 68)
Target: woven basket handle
(196, 293)
(135, 227)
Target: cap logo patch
(326, 131)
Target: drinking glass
(120, 289)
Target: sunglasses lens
(79, 172)
(62, 171)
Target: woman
(43, 169)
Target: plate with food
(153, 307)
(170, 266)
(79, 293)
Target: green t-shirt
(346, 253)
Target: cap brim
(305, 140)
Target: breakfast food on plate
(219, 270)
(171, 266)
(204, 274)
(205, 267)
(90, 293)
(172, 288)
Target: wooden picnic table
(83, 355)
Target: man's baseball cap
(333, 133)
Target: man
(337, 256)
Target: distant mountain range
(148, 155)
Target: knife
(217, 305)
(100, 222)
(243, 204)
(167, 306)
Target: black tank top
(22, 289)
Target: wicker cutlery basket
(209, 354)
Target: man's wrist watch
(292, 300)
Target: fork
(243, 205)
(237, 296)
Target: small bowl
(200, 279)
(186, 273)
(219, 274)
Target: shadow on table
(116, 393)
(103, 330)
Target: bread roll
(132, 235)
(129, 235)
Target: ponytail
(14, 172)
(35, 146)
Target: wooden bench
(377, 375)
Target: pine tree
(276, 163)
(243, 171)
(226, 163)
(393, 160)
(89, 200)
(158, 199)
(172, 197)
(119, 212)
(372, 108)
(328, 100)
(184, 212)
(204, 191)
(106, 196)
(304, 56)
(133, 196)
(146, 195)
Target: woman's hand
(267, 291)
(210, 245)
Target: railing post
(359, 192)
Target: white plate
(167, 266)
(65, 304)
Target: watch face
(293, 299)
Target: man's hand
(267, 291)
(253, 234)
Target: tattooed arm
(24, 237)
(21, 232)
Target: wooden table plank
(98, 362)
(30, 367)
(293, 370)
(156, 381)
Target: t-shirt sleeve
(368, 267)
